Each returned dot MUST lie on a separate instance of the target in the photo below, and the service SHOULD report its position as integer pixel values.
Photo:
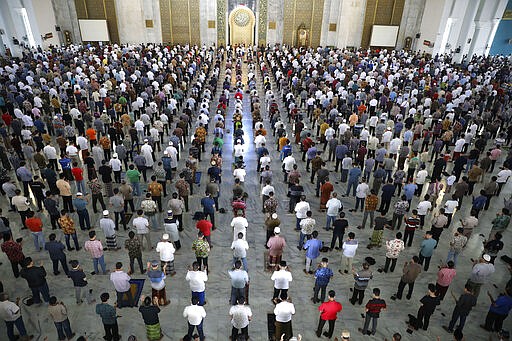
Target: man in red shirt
(14, 252)
(205, 227)
(78, 174)
(328, 312)
(35, 225)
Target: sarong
(108, 189)
(160, 296)
(153, 332)
(377, 238)
(111, 242)
(167, 267)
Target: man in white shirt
(423, 208)
(10, 312)
(239, 173)
(116, 165)
(240, 247)
(166, 251)
(284, 311)
(288, 163)
(265, 193)
(239, 225)
(282, 279)
(141, 225)
(51, 154)
(421, 178)
(349, 252)
(449, 208)
(502, 178)
(240, 314)
(362, 190)
(301, 208)
(195, 315)
(121, 282)
(333, 208)
(196, 280)
(238, 149)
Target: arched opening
(242, 22)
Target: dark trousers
(457, 314)
(203, 261)
(124, 303)
(43, 290)
(319, 288)
(158, 200)
(441, 291)
(212, 218)
(67, 203)
(67, 237)
(95, 199)
(384, 206)
(19, 325)
(494, 322)
(53, 220)
(237, 293)
(284, 328)
(339, 237)
(397, 221)
(84, 220)
(235, 332)
(408, 237)
(121, 215)
(62, 262)
(280, 293)
(426, 259)
(422, 319)
(321, 324)
(401, 287)
(111, 332)
(367, 319)
(132, 263)
(130, 202)
(199, 327)
(15, 269)
(357, 295)
(393, 264)
(64, 330)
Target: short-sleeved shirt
(329, 310)
(149, 314)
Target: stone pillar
(465, 31)
(67, 20)
(331, 13)
(349, 30)
(208, 23)
(275, 15)
(410, 23)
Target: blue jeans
(19, 325)
(302, 237)
(136, 188)
(43, 290)
(67, 237)
(83, 219)
(297, 224)
(101, 261)
(80, 186)
(351, 183)
(64, 329)
(330, 219)
(201, 296)
(452, 255)
(244, 262)
(199, 327)
(38, 240)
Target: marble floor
(217, 324)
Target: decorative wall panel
(309, 14)
(165, 19)
(221, 22)
(381, 12)
(262, 22)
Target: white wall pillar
(131, 21)
(466, 28)
(330, 16)
(208, 12)
(275, 13)
(410, 23)
(349, 30)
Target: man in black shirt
(56, 250)
(338, 231)
(36, 280)
(463, 306)
(388, 190)
(37, 187)
(429, 302)
(149, 314)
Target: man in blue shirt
(409, 191)
(208, 204)
(322, 277)
(312, 247)
(239, 279)
(341, 151)
(353, 179)
(80, 204)
(311, 153)
(498, 311)
(25, 176)
(479, 203)
(65, 164)
(427, 249)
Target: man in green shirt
(134, 176)
(109, 318)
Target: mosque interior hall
(255, 170)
